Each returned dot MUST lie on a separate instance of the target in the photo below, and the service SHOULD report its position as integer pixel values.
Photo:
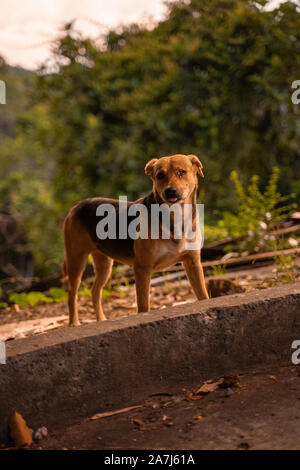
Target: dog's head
(174, 178)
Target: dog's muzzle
(171, 195)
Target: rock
(229, 392)
(219, 287)
(40, 433)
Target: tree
(214, 79)
(211, 79)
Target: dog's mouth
(173, 199)
(171, 195)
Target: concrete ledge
(60, 376)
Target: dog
(175, 182)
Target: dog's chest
(168, 252)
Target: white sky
(28, 26)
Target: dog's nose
(171, 193)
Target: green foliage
(24, 299)
(29, 299)
(58, 294)
(85, 292)
(106, 294)
(210, 79)
(214, 232)
(218, 270)
(26, 176)
(258, 214)
(18, 83)
(287, 268)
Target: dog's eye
(160, 175)
(181, 173)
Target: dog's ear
(197, 163)
(149, 167)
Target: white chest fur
(168, 252)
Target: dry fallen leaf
(193, 396)
(273, 377)
(198, 418)
(116, 412)
(208, 387)
(19, 431)
(169, 423)
(139, 423)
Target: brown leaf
(19, 431)
(273, 377)
(208, 387)
(193, 396)
(198, 418)
(139, 423)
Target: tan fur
(180, 172)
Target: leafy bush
(209, 79)
(29, 299)
(258, 215)
(58, 294)
(214, 232)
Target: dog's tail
(64, 267)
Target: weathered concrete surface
(69, 373)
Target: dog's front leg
(142, 285)
(194, 271)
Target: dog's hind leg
(103, 267)
(75, 268)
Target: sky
(28, 27)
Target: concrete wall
(63, 375)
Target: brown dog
(174, 182)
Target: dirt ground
(256, 410)
(18, 323)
